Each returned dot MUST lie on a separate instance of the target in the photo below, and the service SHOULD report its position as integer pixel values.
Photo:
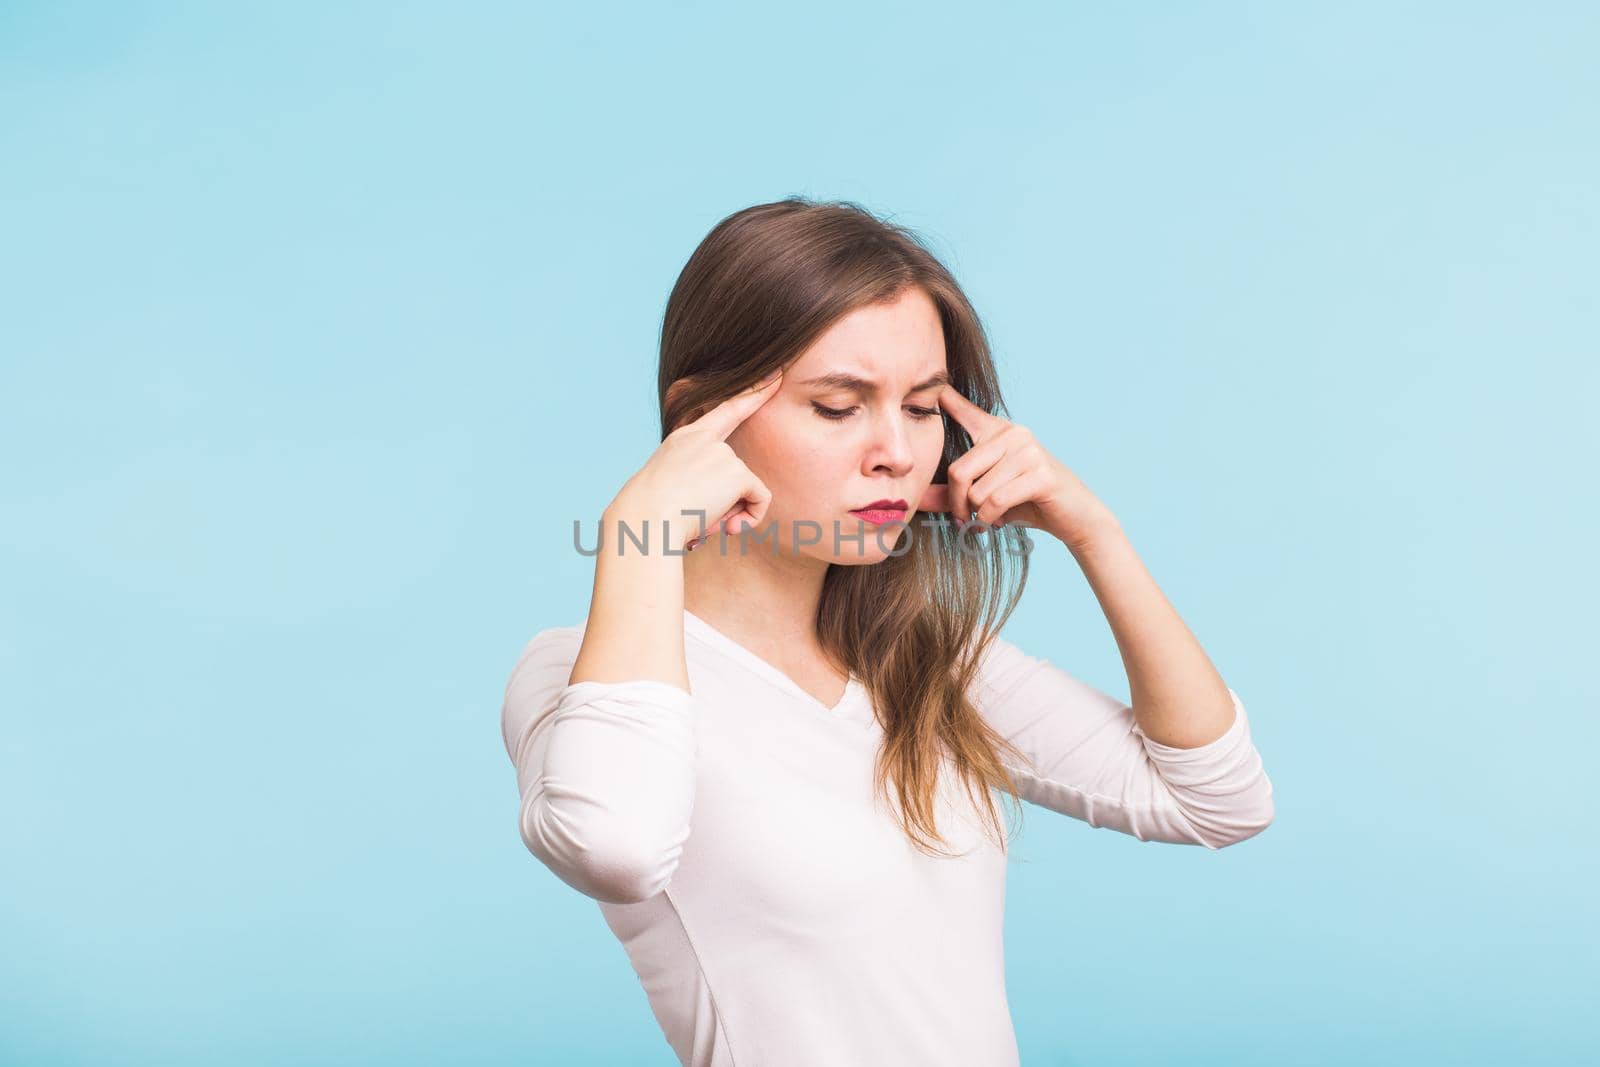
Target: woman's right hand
(695, 470)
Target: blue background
(321, 324)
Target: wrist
(1098, 535)
(629, 524)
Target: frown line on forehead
(866, 386)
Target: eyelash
(835, 415)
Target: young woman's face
(827, 447)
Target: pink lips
(880, 512)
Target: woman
(770, 750)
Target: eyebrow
(856, 383)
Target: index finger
(976, 421)
(935, 499)
(726, 416)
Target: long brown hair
(757, 291)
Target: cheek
(787, 455)
(810, 474)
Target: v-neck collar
(850, 705)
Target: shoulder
(1009, 676)
(1001, 665)
(538, 676)
(546, 649)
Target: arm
(1088, 757)
(600, 723)
(1008, 476)
(1178, 696)
(605, 770)
(635, 624)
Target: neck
(759, 597)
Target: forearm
(1176, 694)
(635, 624)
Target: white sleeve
(606, 771)
(1088, 758)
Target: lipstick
(880, 512)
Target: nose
(889, 449)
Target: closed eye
(838, 414)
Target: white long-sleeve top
(772, 908)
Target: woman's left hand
(1008, 478)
